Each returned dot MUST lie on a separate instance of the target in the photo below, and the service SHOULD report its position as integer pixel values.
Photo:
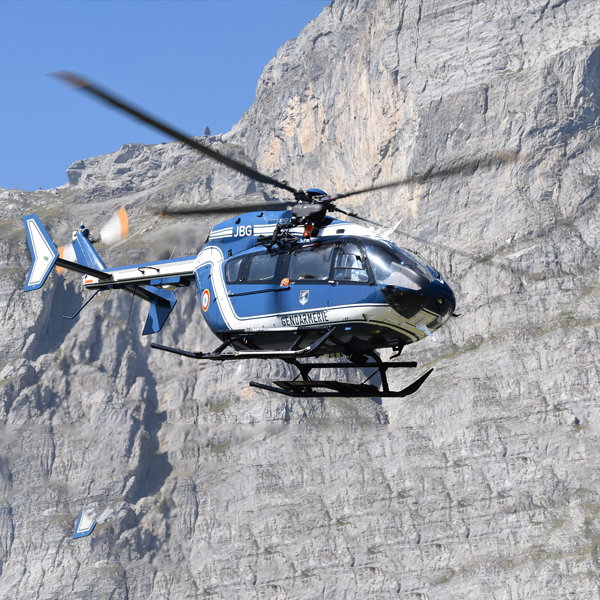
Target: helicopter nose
(436, 298)
(442, 302)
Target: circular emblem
(285, 282)
(205, 300)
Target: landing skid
(305, 387)
(342, 389)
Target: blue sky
(194, 63)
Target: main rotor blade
(95, 90)
(494, 261)
(183, 211)
(485, 162)
(353, 215)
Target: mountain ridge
(484, 484)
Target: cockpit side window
(263, 267)
(349, 264)
(311, 263)
(232, 270)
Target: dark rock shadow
(52, 328)
(154, 467)
(373, 377)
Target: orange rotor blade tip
(123, 219)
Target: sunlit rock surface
(484, 484)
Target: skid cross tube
(382, 367)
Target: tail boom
(151, 282)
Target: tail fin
(85, 253)
(43, 253)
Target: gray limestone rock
(484, 484)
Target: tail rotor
(115, 230)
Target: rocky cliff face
(483, 485)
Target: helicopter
(282, 280)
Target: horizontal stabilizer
(43, 253)
(84, 270)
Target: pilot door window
(311, 263)
(262, 268)
(234, 270)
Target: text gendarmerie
(311, 318)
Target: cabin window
(311, 263)
(349, 264)
(263, 267)
(232, 270)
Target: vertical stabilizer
(85, 253)
(43, 253)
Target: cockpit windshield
(393, 266)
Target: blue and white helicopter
(283, 280)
